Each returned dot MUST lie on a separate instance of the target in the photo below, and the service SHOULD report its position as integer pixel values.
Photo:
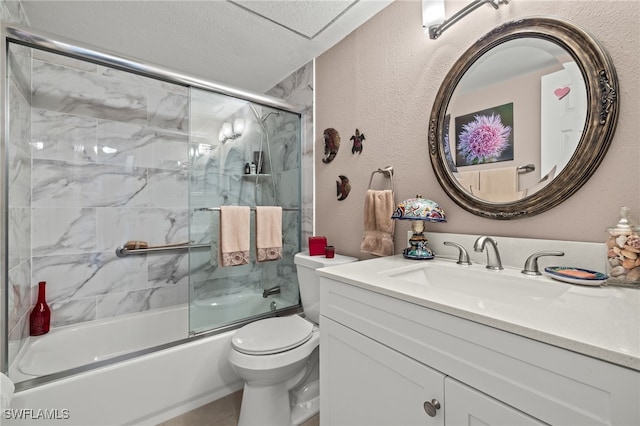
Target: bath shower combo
(83, 175)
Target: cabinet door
(467, 406)
(363, 382)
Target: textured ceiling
(247, 44)
(307, 18)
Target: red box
(317, 245)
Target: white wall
(383, 79)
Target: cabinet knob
(431, 407)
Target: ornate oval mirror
(523, 118)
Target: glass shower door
(241, 154)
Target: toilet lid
(272, 335)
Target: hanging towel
(268, 233)
(378, 225)
(499, 181)
(469, 179)
(234, 235)
(502, 197)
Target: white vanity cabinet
(468, 407)
(383, 358)
(370, 384)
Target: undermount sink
(479, 282)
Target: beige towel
(502, 197)
(234, 235)
(378, 225)
(499, 181)
(268, 233)
(469, 179)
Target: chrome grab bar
(217, 209)
(122, 251)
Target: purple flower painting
(482, 137)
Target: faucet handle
(463, 255)
(531, 264)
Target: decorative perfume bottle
(40, 317)
(623, 251)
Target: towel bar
(122, 251)
(526, 168)
(387, 172)
(217, 209)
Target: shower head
(263, 119)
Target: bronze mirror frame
(602, 114)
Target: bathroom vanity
(436, 343)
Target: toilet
(278, 357)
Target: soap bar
(317, 245)
(579, 274)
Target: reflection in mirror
(535, 89)
(518, 115)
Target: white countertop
(599, 321)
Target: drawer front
(549, 383)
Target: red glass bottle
(40, 317)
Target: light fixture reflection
(231, 130)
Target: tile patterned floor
(223, 412)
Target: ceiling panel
(252, 45)
(304, 17)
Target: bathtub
(146, 389)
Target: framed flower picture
(485, 136)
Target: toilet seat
(272, 335)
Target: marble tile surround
(298, 88)
(105, 160)
(19, 174)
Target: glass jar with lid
(623, 251)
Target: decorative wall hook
(357, 142)
(343, 187)
(331, 144)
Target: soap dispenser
(623, 251)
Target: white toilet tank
(309, 282)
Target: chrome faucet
(271, 291)
(463, 256)
(531, 264)
(493, 255)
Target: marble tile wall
(97, 157)
(298, 88)
(12, 11)
(19, 175)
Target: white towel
(234, 235)
(6, 391)
(268, 233)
